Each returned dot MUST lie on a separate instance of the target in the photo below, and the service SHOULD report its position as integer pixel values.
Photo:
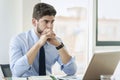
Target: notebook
(103, 63)
(40, 78)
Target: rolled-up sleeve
(70, 68)
(18, 61)
(20, 67)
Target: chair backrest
(6, 70)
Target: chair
(6, 70)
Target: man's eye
(52, 22)
(46, 21)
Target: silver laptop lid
(101, 64)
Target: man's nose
(50, 26)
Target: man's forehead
(48, 18)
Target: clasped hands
(48, 35)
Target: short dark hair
(43, 9)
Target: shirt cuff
(70, 62)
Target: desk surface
(58, 77)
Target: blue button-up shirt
(20, 45)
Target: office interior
(87, 27)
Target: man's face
(46, 22)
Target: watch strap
(60, 46)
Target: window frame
(103, 43)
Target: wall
(10, 24)
(15, 17)
(27, 13)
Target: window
(71, 25)
(108, 23)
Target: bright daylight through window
(108, 26)
(71, 25)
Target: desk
(57, 77)
(75, 77)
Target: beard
(39, 30)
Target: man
(27, 48)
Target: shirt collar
(34, 35)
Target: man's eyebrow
(46, 20)
(53, 20)
(49, 20)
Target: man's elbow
(72, 72)
(16, 73)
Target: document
(14, 78)
(18, 78)
(40, 78)
(74, 77)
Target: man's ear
(34, 22)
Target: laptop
(103, 63)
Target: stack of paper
(18, 78)
(13, 78)
(74, 77)
(40, 78)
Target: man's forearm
(62, 51)
(64, 55)
(31, 54)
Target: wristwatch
(60, 46)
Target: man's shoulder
(21, 39)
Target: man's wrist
(60, 46)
